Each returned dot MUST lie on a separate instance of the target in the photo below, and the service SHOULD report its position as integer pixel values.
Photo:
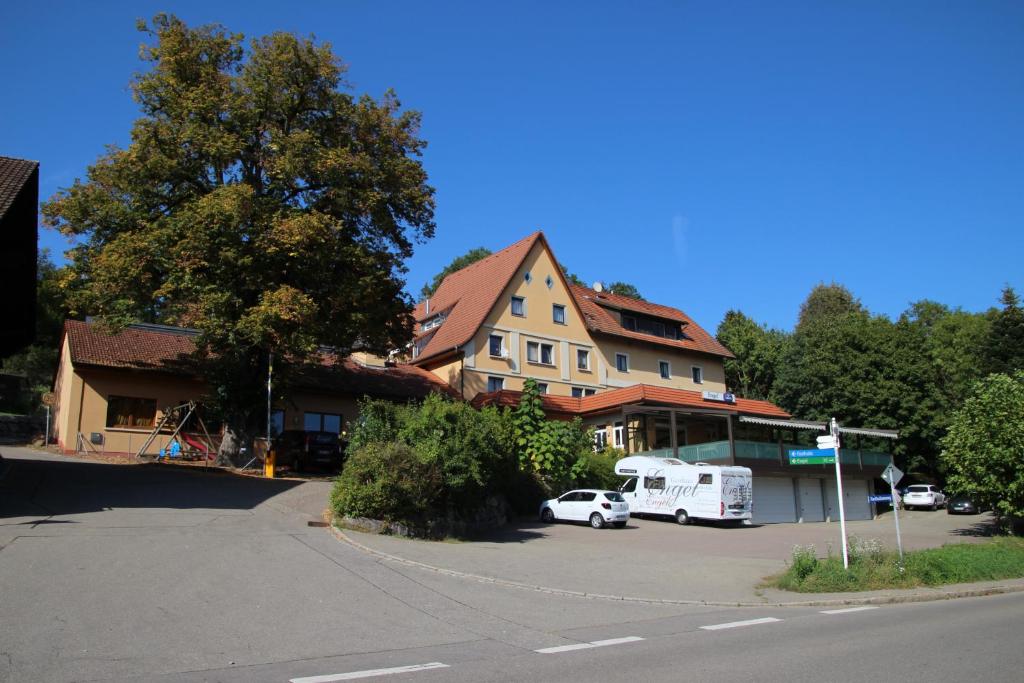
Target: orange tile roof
(597, 318)
(636, 394)
(171, 349)
(468, 295)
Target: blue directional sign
(812, 456)
(880, 498)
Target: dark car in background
(962, 505)
(303, 450)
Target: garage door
(773, 500)
(811, 506)
(855, 499)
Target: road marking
(737, 624)
(369, 673)
(848, 609)
(587, 646)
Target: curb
(834, 602)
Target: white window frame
(698, 376)
(501, 346)
(499, 380)
(600, 437)
(586, 357)
(542, 387)
(624, 355)
(551, 354)
(554, 318)
(535, 346)
(618, 435)
(667, 364)
(511, 306)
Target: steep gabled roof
(14, 173)
(170, 350)
(468, 295)
(595, 307)
(638, 394)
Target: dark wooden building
(19, 211)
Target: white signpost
(893, 475)
(833, 443)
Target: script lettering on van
(735, 490)
(668, 496)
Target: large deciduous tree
(984, 449)
(751, 373)
(257, 201)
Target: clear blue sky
(717, 155)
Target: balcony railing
(759, 450)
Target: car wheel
(597, 521)
(547, 516)
(620, 525)
(682, 517)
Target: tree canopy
(911, 374)
(258, 201)
(984, 449)
(457, 263)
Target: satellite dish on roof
(598, 286)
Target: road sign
(826, 442)
(812, 456)
(892, 474)
(880, 498)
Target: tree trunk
(235, 448)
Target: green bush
(385, 481)
(378, 422)
(471, 449)
(597, 470)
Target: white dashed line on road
(587, 646)
(737, 624)
(369, 673)
(848, 609)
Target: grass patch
(873, 568)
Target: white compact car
(587, 505)
(923, 496)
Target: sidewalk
(661, 562)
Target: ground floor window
(600, 437)
(495, 383)
(322, 422)
(617, 435)
(126, 411)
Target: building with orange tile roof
(645, 376)
(112, 390)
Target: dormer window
(431, 323)
(645, 325)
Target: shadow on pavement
(37, 487)
(982, 529)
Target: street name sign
(812, 456)
(880, 498)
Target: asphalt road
(149, 573)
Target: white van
(671, 487)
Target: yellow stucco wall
(95, 386)
(644, 367)
(538, 327)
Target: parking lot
(660, 560)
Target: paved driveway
(118, 572)
(661, 560)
